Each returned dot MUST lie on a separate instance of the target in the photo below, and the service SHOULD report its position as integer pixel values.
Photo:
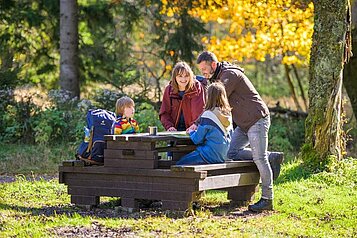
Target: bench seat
(176, 187)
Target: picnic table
(136, 167)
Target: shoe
(261, 205)
(275, 161)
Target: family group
(222, 119)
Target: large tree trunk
(350, 71)
(69, 76)
(329, 52)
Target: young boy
(125, 123)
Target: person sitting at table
(125, 123)
(183, 100)
(214, 130)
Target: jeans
(193, 158)
(257, 137)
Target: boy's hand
(172, 129)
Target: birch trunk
(69, 73)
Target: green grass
(33, 159)
(306, 205)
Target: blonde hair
(122, 103)
(182, 69)
(217, 97)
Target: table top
(161, 136)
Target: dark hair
(217, 97)
(207, 56)
(182, 69)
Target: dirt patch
(95, 230)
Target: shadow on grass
(104, 210)
(111, 209)
(294, 173)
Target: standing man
(251, 115)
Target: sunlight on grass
(306, 205)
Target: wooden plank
(136, 172)
(177, 148)
(68, 163)
(131, 193)
(229, 180)
(117, 179)
(130, 154)
(119, 145)
(131, 163)
(242, 193)
(165, 164)
(206, 167)
(169, 186)
(78, 163)
(235, 170)
(85, 200)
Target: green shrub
(146, 115)
(286, 134)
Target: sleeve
(230, 81)
(165, 110)
(117, 128)
(136, 126)
(198, 136)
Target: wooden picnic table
(136, 167)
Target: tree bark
(69, 73)
(330, 50)
(350, 71)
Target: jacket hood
(224, 122)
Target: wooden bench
(133, 170)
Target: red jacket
(192, 105)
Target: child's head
(217, 97)
(182, 77)
(125, 107)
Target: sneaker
(275, 161)
(261, 205)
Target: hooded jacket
(191, 104)
(247, 105)
(213, 136)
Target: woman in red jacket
(183, 100)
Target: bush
(286, 134)
(146, 116)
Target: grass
(306, 205)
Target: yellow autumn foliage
(253, 29)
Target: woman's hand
(172, 129)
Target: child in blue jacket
(214, 130)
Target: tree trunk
(292, 89)
(329, 52)
(300, 86)
(69, 73)
(350, 71)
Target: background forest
(129, 48)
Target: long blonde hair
(182, 69)
(217, 97)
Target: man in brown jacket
(251, 116)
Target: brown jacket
(247, 105)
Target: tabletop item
(153, 130)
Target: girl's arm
(198, 137)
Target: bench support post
(242, 195)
